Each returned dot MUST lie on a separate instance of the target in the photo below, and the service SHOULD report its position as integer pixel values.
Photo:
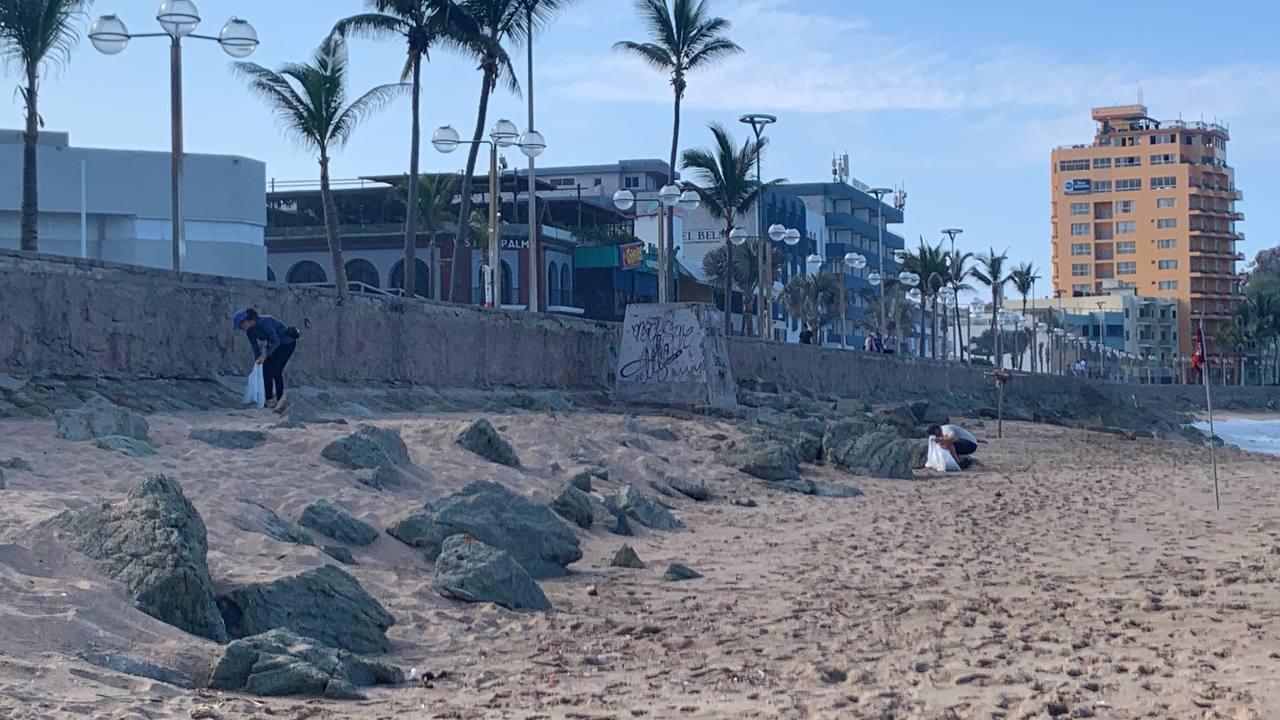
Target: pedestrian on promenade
(273, 344)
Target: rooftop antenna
(1140, 102)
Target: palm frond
(40, 34)
(368, 104)
(655, 55)
(373, 26)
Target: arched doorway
(566, 286)
(553, 284)
(362, 271)
(508, 290)
(306, 272)
(421, 278)
(271, 275)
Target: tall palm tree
(435, 207)
(990, 272)
(725, 182)
(930, 263)
(310, 101)
(957, 272)
(422, 24)
(683, 36)
(36, 35)
(1024, 278)
(812, 299)
(746, 275)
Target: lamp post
(669, 196)
(758, 122)
(952, 233)
(879, 194)
(1059, 339)
(502, 134)
(947, 296)
(975, 306)
(911, 280)
(1102, 341)
(1041, 328)
(850, 260)
(179, 19)
(764, 271)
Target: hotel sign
(1078, 187)
(631, 255)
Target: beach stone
(15, 463)
(155, 544)
(879, 452)
(582, 480)
(531, 534)
(255, 517)
(663, 488)
(356, 410)
(677, 572)
(100, 418)
(767, 460)
(229, 439)
(481, 438)
(745, 502)
(332, 521)
(324, 603)
(574, 505)
(130, 665)
(339, 553)
(639, 507)
(470, 571)
(379, 478)
(368, 448)
(125, 445)
(663, 434)
(691, 489)
(281, 663)
(2, 483)
(603, 516)
(626, 557)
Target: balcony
(1235, 215)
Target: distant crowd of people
(887, 345)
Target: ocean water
(1260, 436)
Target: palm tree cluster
(1253, 334)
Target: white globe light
(690, 200)
(900, 256)
(238, 38)
(445, 139)
(947, 295)
(1041, 327)
(109, 35)
(624, 199)
(914, 295)
(814, 263)
(179, 18)
(777, 232)
(504, 133)
(873, 278)
(908, 279)
(532, 144)
(977, 306)
(669, 195)
(737, 236)
(778, 287)
(791, 236)
(855, 261)
(1059, 332)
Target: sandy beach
(1072, 574)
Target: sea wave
(1260, 436)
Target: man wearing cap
(273, 344)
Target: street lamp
(1059, 339)
(668, 196)
(1042, 328)
(879, 194)
(975, 306)
(503, 134)
(758, 122)
(947, 297)
(776, 233)
(179, 19)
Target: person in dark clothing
(806, 335)
(273, 344)
(957, 441)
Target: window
(1128, 141)
(1126, 247)
(1080, 249)
(1081, 269)
(1166, 244)
(1164, 138)
(1126, 227)
(1127, 268)
(1101, 186)
(1168, 285)
(1102, 163)
(598, 182)
(1161, 183)
(1166, 202)
(1072, 165)
(1128, 184)
(1191, 139)
(1078, 290)
(1080, 208)
(1128, 161)
(1102, 211)
(1076, 229)
(1166, 223)
(632, 182)
(1164, 159)
(562, 182)
(1168, 265)
(1124, 207)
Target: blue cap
(240, 317)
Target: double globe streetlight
(503, 134)
(670, 196)
(777, 233)
(852, 261)
(179, 19)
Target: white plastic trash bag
(255, 392)
(940, 459)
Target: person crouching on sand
(273, 344)
(950, 439)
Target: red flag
(1197, 359)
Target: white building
(114, 205)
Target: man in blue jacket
(273, 344)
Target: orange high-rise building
(1149, 205)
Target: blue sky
(958, 102)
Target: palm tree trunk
(30, 186)
(331, 229)
(1025, 319)
(435, 286)
(460, 278)
(995, 332)
(728, 284)
(411, 216)
(920, 353)
(959, 343)
(670, 213)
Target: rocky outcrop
(125, 445)
(677, 572)
(531, 534)
(626, 557)
(252, 516)
(765, 458)
(470, 571)
(817, 489)
(100, 418)
(229, 439)
(332, 521)
(481, 438)
(878, 451)
(155, 544)
(281, 663)
(574, 504)
(325, 604)
(639, 507)
(691, 489)
(369, 448)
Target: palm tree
(746, 274)
(422, 24)
(36, 35)
(683, 37)
(727, 186)
(991, 272)
(812, 299)
(957, 272)
(310, 101)
(897, 311)
(1024, 278)
(435, 206)
(930, 263)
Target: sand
(1073, 574)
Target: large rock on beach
(369, 448)
(643, 509)
(574, 504)
(125, 445)
(325, 604)
(879, 452)
(155, 544)
(253, 516)
(764, 458)
(100, 418)
(229, 439)
(281, 663)
(531, 534)
(332, 521)
(471, 571)
(481, 438)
